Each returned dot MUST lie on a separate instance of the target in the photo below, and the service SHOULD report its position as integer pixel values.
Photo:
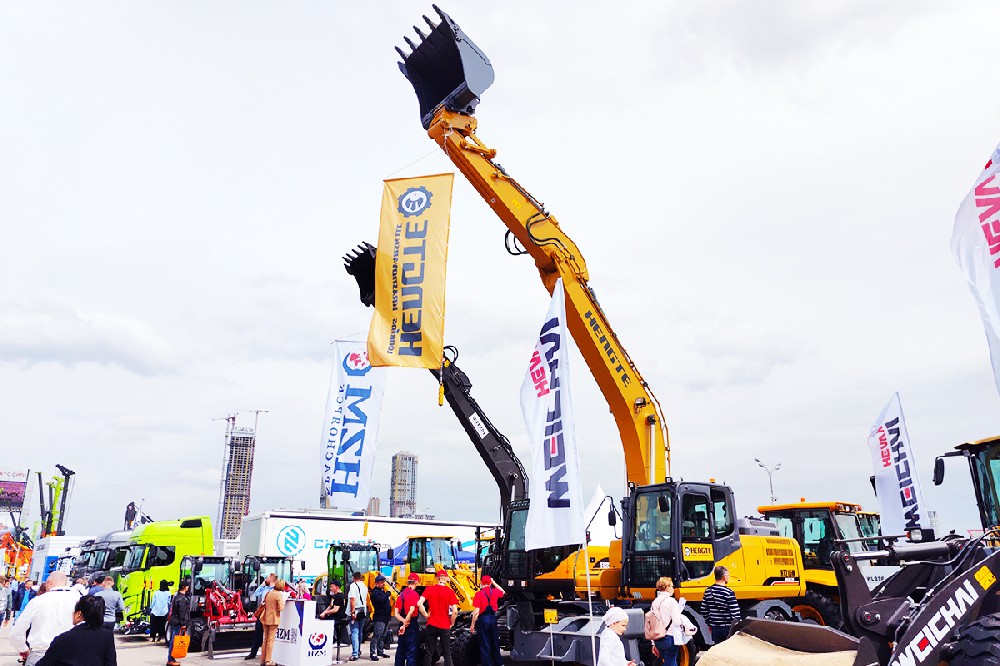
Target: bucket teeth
(401, 53)
(422, 35)
(413, 47)
(360, 262)
(430, 24)
(439, 12)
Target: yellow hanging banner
(407, 328)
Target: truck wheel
(464, 648)
(977, 644)
(818, 608)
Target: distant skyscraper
(234, 502)
(403, 485)
(374, 507)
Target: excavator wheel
(198, 631)
(819, 609)
(687, 654)
(977, 644)
(464, 648)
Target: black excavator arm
(491, 444)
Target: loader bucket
(445, 68)
(766, 642)
(360, 262)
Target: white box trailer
(307, 534)
(54, 552)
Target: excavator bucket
(445, 68)
(360, 262)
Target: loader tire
(818, 608)
(198, 631)
(977, 644)
(464, 648)
(687, 654)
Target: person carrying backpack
(663, 620)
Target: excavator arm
(491, 444)
(448, 73)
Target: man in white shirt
(81, 586)
(46, 616)
(357, 609)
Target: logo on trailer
(414, 201)
(317, 641)
(291, 540)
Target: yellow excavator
(681, 529)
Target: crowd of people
(61, 625)
(55, 621)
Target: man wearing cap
(611, 651)
(484, 622)
(338, 610)
(409, 632)
(439, 605)
(381, 612)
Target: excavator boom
(449, 73)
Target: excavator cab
(984, 465)
(445, 68)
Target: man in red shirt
(409, 632)
(485, 611)
(439, 605)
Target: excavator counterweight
(445, 68)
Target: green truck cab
(154, 553)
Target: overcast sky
(764, 194)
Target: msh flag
(975, 242)
(350, 431)
(407, 327)
(896, 483)
(555, 515)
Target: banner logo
(414, 201)
(291, 540)
(353, 407)
(407, 327)
(555, 515)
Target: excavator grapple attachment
(445, 68)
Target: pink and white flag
(975, 242)
(555, 514)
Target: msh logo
(317, 644)
(291, 540)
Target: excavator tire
(464, 648)
(818, 608)
(977, 644)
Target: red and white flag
(896, 483)
(975, 242)
(555, 514)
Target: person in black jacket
(88, 643)
(180, 618)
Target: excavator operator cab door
(707, 526)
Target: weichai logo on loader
(938, 627)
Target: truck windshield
(134, 556)
(985, 477)
(364, 560)
(652, 526)
(440, 551)
(850, 528)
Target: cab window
(694, 524)
(724, 523)
(652, 526)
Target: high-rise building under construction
(403, 485)
(234, 494)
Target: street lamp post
(770, 476)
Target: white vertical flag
(350, 430)
(555, 515)
(896, 483)
(975, 242)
